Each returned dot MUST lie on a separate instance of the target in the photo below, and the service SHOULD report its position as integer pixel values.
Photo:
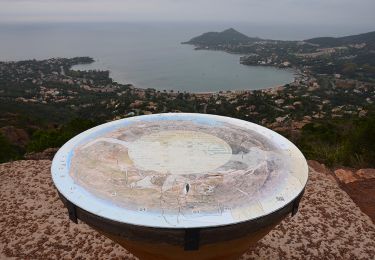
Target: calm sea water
(146, 55)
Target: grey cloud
(255, 11)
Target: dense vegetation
(43, 139)
(368, 38)
(340, 142)
(8, 151)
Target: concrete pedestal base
(232, 249)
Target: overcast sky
(324, 12)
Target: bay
(146, 55)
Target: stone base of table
(201, 243)
(227, 250)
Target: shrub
(8, 151)
(43, 139)
(340, 142)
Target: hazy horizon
(265, 31)
(331, 13)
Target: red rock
(345, 176)
(366, 173)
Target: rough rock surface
(345, 176)
(34, 223)
(366, 173)
(360, 185)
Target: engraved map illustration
(180, 169)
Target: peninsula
(344, 57)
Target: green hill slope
(229, 36)
(368, 38)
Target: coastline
(295, 71)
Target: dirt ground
(34, 223)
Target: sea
(147, 55)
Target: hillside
(368, 38)
(35, 225)
(229, 36)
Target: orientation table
(180, 185)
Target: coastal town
(40, 99)
(51, 83)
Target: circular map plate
(179, 171)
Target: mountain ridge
(368, 38)
(232, 36)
